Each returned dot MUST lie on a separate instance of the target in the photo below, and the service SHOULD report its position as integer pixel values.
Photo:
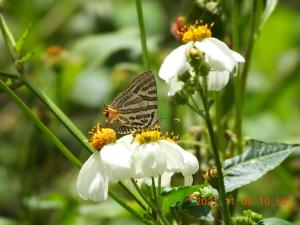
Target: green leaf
(95, 49)
(257, 160)
(270, 6)
(173, 195)
(22, 39)
(275, 221)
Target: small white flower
(218, 56)
(162, 157)
(112, 163)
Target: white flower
(162, 157)
(112, 163)
(92, 182)
(218, 56)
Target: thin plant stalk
(213, 140)
(156, 199)
(154, 190)
(58, 113)
(9, 75)
(159, 190)
(142, 34)
(220, 130)
(253, 34)
(128, 208)
(154, 208)
(66, 152)
(150, 204)
(238, 96)
(11, 44)
(132, 195)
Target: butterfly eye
(105, 112)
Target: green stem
(244, 74)
(238, 113)
(128, 208)
(42, 96)
(142, 34)
(196, 110)
(66, 152)
(154, 190)
(155, 210)
(58, 113)
(237, 81)
(159, 190)
(219, 168)
(143, 196)
(8, 37)
(235, 24)
(132, 195)
(156, 199)
(208, 120)
(9, 75)
(220, 131)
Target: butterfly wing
(137, 105)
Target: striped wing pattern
(137, 105)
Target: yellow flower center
(152, 135)
(195, 32)
(102, 136)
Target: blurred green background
(85, 52)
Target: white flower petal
(174, 85)
(117, 158)
(92, 182)
(216, 80)
(174, 158)
(128, 139)
(217, 54)
(191, 166)
(166, 179)
(174, 64)
(149, 160)
(237, 57)
(188, 180)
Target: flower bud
(193, 53)
(211, 176)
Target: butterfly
(136, 107)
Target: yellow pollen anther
(195, 32)
(102, 136)
(152, 135)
